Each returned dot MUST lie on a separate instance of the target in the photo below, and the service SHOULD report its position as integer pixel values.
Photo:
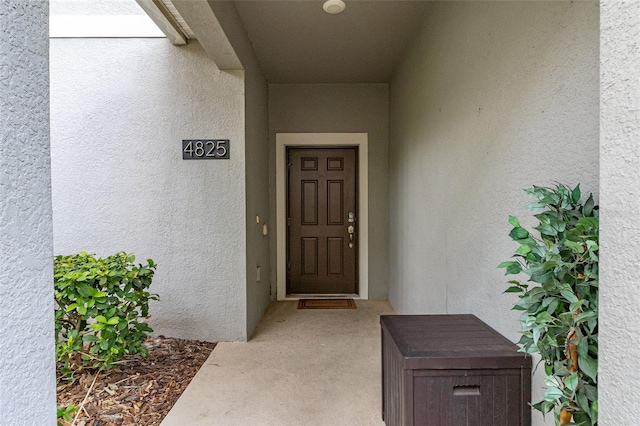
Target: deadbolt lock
(351, 231)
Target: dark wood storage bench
(452, 370)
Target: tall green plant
(102, 305)
(559, 302)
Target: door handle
(351, 231)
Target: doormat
(326, 304)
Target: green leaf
(589, 366)
(585, 316)
(552, 394)
(89, 338)
(577, 305)
(540, 275)
(543, 318)
(575, 194)
(583, 402)
(569, 295)
(98, 326)
(577, 247)
(547, 230)
(84, 290)
(512, 267)
(587, 210)
(519, 233)
(113, 321)
(101, 318)
(553, 305)
(548, 369)
(543, 406)
(513, 289)
(571, 382)
(590, 391)
(582, 419)
(536, 207)
(514, 221)
(560, 369)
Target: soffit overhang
(295, 41)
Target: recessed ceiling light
(333, 7)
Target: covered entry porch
(302, 367)
(464, 104)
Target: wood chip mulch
(140, 391)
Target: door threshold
(321, 296)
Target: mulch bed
(140, 391)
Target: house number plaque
(205, 149)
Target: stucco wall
(341, 108)
(619, 368)
(120, 108)
(492, 97)
(257, 194)
(256, 167)
(27, 362)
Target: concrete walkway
(302, 367)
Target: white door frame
(285, 140)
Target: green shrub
(65, 413)
(559, 303)
(101, 307)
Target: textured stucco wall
(27, 361)
(257, 164)
(257, 194)
(341, 108)
(619, 368)
(492, 97)
(120, 108)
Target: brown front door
(322, 221)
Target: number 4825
(217, 148)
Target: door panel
(322, 190)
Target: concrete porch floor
(302, 367)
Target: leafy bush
(560, 313)
(101, 307)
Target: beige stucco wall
(492, 97)
(619, 368)
(340, 108)
(120, 108)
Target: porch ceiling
(295, 41)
